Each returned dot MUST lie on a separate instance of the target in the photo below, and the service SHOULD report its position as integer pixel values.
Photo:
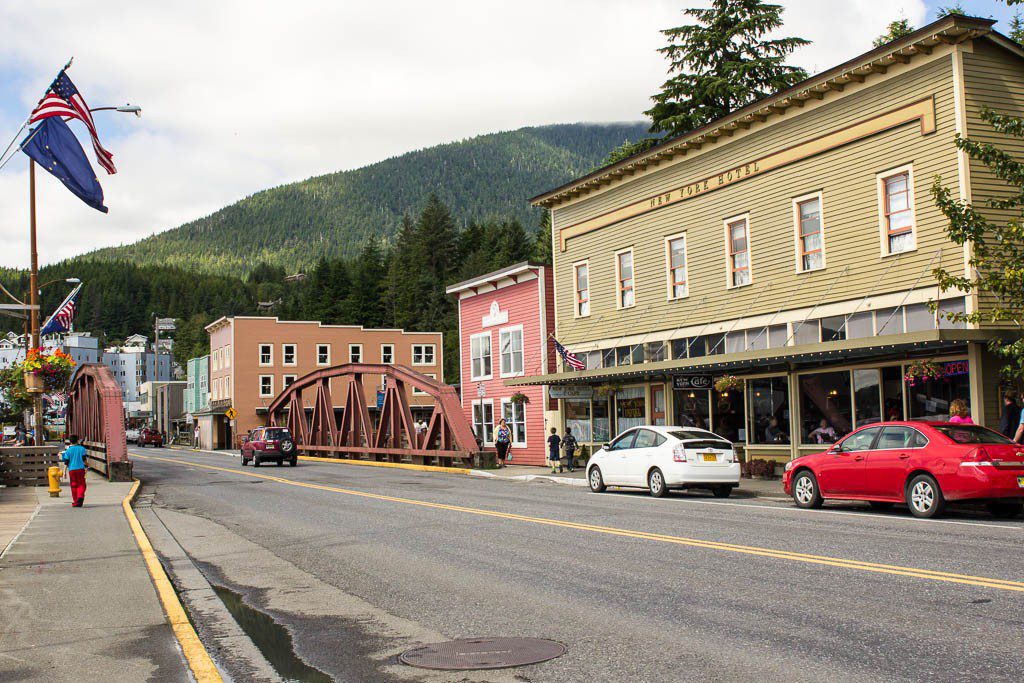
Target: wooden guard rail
(27, 465)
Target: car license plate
(712, 457)
(1020, 482)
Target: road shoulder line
(199, 660)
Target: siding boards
(847, 178)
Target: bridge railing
(96, 416)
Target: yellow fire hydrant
(54, 475)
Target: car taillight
(679, 453)
(979, 455)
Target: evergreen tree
(365, 303)
(1016, 28)
(945, 11)
(722, 63)
(997, 241)
(542, 246)
(896, 30)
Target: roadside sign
(481, 390)
(231, 413)
(380, 400)
(165, 324)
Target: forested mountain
(481, 179)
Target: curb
(199, 661)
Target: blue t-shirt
(74, 456)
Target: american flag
(64, 100)
(62, 318)
(569, 358)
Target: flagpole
(33, 284)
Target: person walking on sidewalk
(74, 457)
(569, 445)
(554, 446)
(195, 438)
(502, 441)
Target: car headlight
(789, 466)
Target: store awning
(765, 360)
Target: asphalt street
(359, 563)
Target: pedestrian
(554, 446)
(195, 438)
(569, 445)
(1010, 417)
(960, 412)
(19, 435)
(502, 441)
(74, 457)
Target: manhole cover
(482, 653)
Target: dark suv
(269, 443)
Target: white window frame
(227, 387)
(264, 394)
(618, 278)
(259, 355)
(284, 355)
(883, 221)
(486, 438)
(416, 391)
(285, 383)
(490, 348)
(522, 352)
(388, 346)
(745, 217)
(433, 354)
(670, 284)
(575, 290)
(227, 357)
(318, 349)
(515, 444)
(355, 346)
(797, 241)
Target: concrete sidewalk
(76, 600)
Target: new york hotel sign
(922, 111)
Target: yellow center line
(897, 570)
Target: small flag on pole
(62, 318)
(64, 100)
(569, 358)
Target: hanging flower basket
(519, 397)
(922, 371)
(728, 383)
(605, 390)
(34, 383)
(39, 372)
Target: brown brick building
(252, 359)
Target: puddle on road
(272, 639)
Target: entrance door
(843, 470)
(658, 405)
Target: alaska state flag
(54, 147)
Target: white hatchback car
(663, 458)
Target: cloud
(239, 96)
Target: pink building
(505, 319)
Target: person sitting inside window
(774, 434)
(823, 434)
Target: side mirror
(607, 446)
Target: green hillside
(484, 178)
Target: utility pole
(33, 285)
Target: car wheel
(596, 480)
(656, 484)
(924, 497)
(880, 505)
(245, 461)
(805, 490)
(287, 446)
(1005, 510)
(721, 491)
(256, 461)
(294, 461)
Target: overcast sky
(240, 95)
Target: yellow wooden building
(791, 245)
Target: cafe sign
(692, 382)
(570, 392)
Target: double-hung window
(266, 385)
(266, 354)
(511, 341)
(896, 192)
(582, 275)
(480, 356)
(737, 236)
(676, 256)
(624, 276)
(483, 420)
(515, 416)
(288, 354)
(422, 354)
(387, 353)
(323, 354)
(809, 235)
(355, 353)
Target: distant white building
(81, 346)
(134, 364)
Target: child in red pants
(74, 457)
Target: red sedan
(922, 464)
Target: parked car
(922, 464)
(131, 435)
(664, 458)
(265, 444)
(150, 437)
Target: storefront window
(727, 420)
(679, 349)
(889, 321)
(608, 358)
(859, 326)
(630, 408)
(866, 396)
(833, 328)
(930, 400)
(806, 332)
(892, 392)
(577, 418)
(951, 306)
(919, 318)
(601, 423)
(656, 351)
(692, 408)
(826, 408)
(768, 410)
